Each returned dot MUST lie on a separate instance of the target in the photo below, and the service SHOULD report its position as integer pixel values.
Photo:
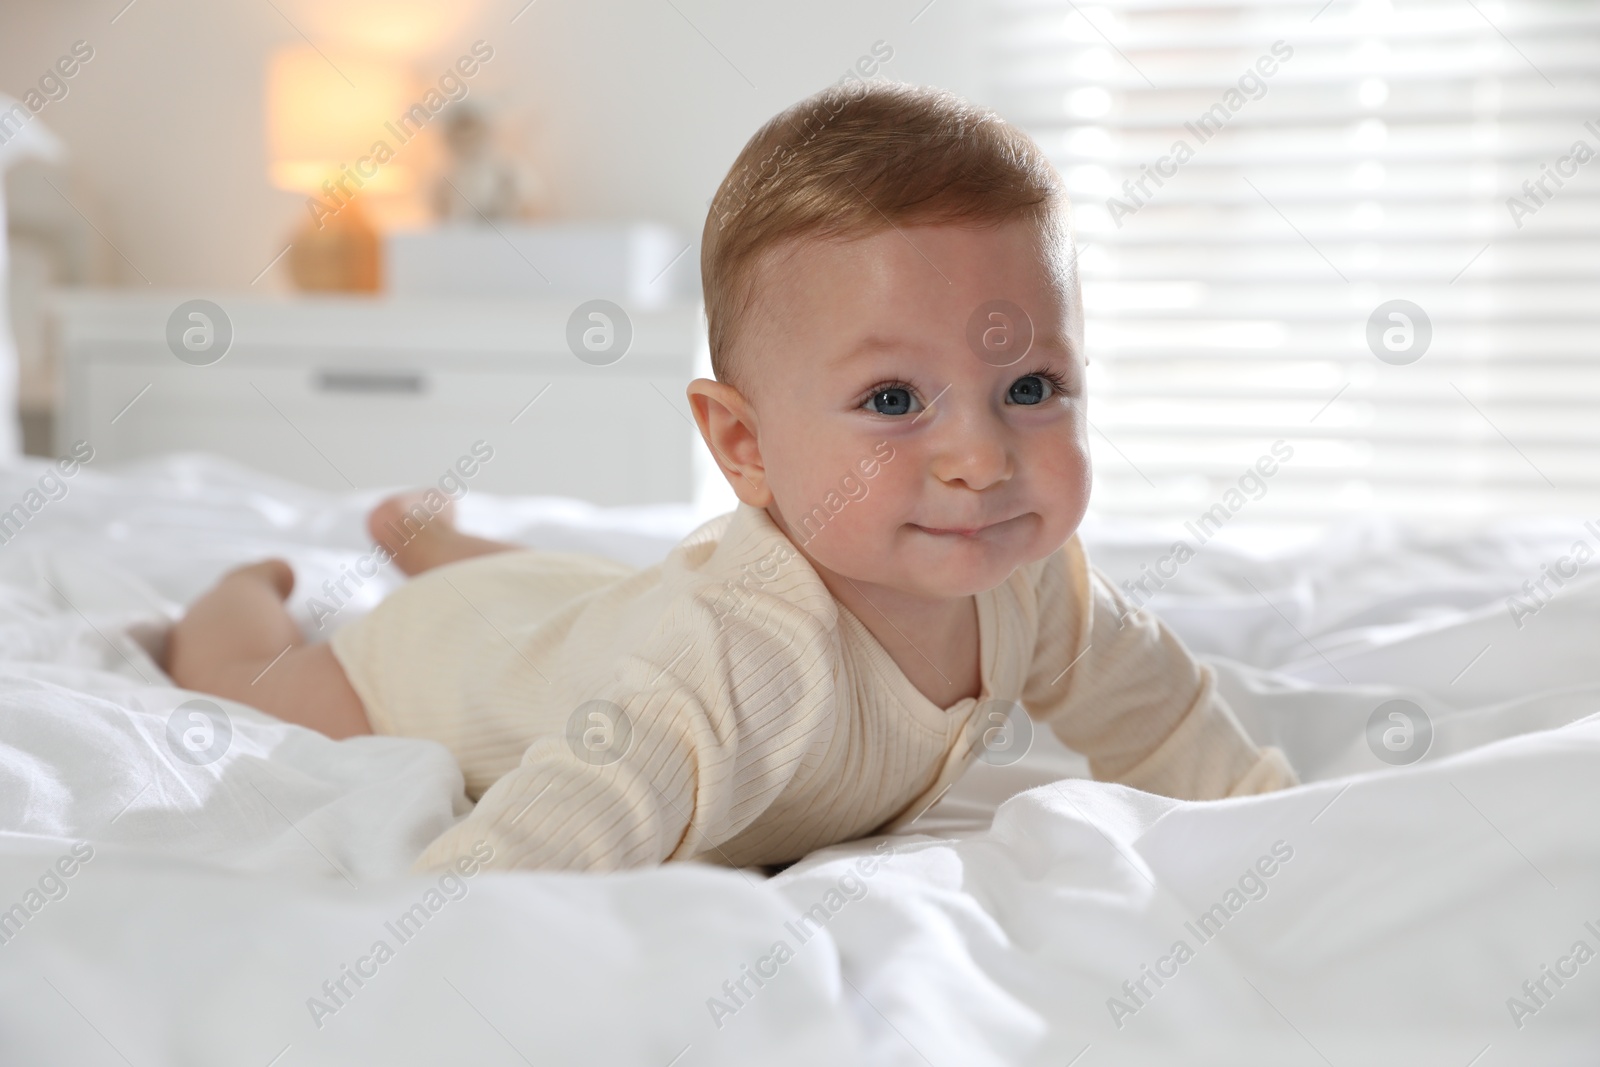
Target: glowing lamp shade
(405, 29)
(325, 113)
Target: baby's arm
(557, 812)
(1119, 687)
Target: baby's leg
(420, 539)
(238, 641)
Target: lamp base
(341, 255)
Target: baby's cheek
(862, 519)
(1080, 471)
(1066, 473)
(1059, 451)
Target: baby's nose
(973, 454)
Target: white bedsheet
(221, 896)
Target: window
(1368, 230)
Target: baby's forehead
(815, 298)
(1043, 268)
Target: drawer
(596, 433)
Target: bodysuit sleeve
(1119, 687)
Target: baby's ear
(728, 426)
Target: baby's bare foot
(275, 572)
(411, 532)
(245, 606)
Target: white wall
(631, 112)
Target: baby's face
(906, 441)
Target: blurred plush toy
(481, 185)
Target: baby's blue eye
(892, 400)
(1029, 389)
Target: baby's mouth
(965, 532)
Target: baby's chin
(936, 565)
(943, 583)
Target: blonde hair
(854, 160)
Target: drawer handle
(343, 381)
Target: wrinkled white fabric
(997, 928)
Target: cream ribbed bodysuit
(723, 705)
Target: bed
(186, 883)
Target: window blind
(1368, 230)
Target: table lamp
(326, 117)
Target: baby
(897, 338)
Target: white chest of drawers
(342, 392)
